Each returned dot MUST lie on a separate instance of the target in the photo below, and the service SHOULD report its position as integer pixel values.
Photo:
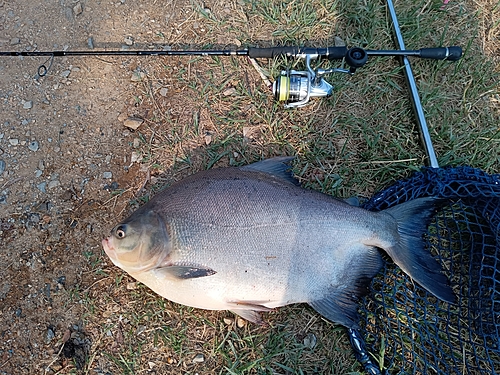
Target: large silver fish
(249, 239)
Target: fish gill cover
(404, 329)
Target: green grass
(361, 139)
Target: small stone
(2, 166)
(52, 184)
(90, 42)
(15, 41)
(339, 42)
(310, 341)
(208, 138)
(133, 122)
(240, 322)
(28, 104)
(61, 280)
(65, 73)
(42, 187)
(33, 146)
(163, 91)
(138, 76)
(229, 91)
(129, 41)
(107, 175)
(122, 116)
(38, 173)
(199, 358)
(77, 9)
(137, 142)
(228, 321)
(50, 335)
(14, 141)
(135, 157)
(131, 286)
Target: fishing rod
(292, 87)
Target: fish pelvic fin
(340, 303)
(249, 310)
(409, 253)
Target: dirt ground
(68, 166)
(63, 149)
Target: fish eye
(120, 231)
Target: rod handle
(331, 53)
(441, 53)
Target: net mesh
(404, 329)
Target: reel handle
(330, 53)
(453, 53)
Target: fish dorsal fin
(183, 272)
(340, 305)
(278, 167)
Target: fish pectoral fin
(183, 272)
(249, 310)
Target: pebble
(50, 335)
(15, 41)
(28, 104)
(33, 146)
(240, 322)
(78, 9)
(107, 175)
(14, 141)
(42, 187)
(90, 42)
(310, 341)
(138, 76)
(199, 358)
(163, 91)
(129, 40)
(52, 184)
(38, 173)
(229, 91)
(133, 122)
(65, 73)
(2, 166)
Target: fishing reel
(296, 88)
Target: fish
(251, 239)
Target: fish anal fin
(183, 272)
(340, 303)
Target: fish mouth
(109, 249)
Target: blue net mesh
(406, 330)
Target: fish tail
(409, 253)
